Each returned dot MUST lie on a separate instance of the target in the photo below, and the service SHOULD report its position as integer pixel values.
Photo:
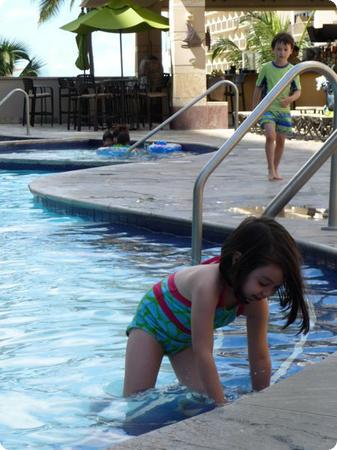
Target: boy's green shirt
(269, 75)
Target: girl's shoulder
(213, 260)
(201, 278)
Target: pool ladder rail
(298, 180)
(189, 105)
(27, 105)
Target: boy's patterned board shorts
(282, 121)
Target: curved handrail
(189, 105)
(227, 147)
(302, 176)
(27, 104)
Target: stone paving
(297, 413)
(239, 185)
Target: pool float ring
(114, 150)
(164, 147)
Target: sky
(57, 48)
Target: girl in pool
(177, 316)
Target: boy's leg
(279, 148)
(270, 134)
(283, 129)
(142, 362)
(184, 366)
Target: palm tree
(13, 52)
(50, 8)
(262, 28)
(33, 68)
(228, 49)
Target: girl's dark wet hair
(259, 242)
(284, 38)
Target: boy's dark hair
(284, 38)
(107, 135)
(123, 138)
(118, 129)
(259, 242)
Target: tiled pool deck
(298, 413)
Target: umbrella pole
(122, 77)
(121, 53)
(91, 56)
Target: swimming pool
(81, 154)
(69, 287)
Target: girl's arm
(203, 310)
(258, 351)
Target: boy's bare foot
(271, 176)
(274, 176)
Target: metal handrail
(189, 105)
(27, 105)
(227, 147)
(302, 176)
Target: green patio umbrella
(118, 16)
(82, 61)
(82, 41)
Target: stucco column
(148, 42)
(189, 73)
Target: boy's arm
(290, 99)
(256, 96)
(203, 310)
(258, 350)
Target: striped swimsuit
(166, 315)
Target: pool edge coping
(163, 223)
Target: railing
(188, 106)
(27, 105)
(327, 150)
(303, 175)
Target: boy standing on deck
(276, 121)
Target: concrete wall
(12, 110)
(189, 74)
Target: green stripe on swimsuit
(166, 315)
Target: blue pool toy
(114, 150)
(163, 147)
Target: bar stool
(238, 80)
(42, 96)
(86, 103)
(66, 90)
(155, 97)
(114, 103)
(132, 104)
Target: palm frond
(33, 68)
(10, 53)
(222, 46)
(50, 8)
(304, 39)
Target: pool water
(68, 288)
(87, 154)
